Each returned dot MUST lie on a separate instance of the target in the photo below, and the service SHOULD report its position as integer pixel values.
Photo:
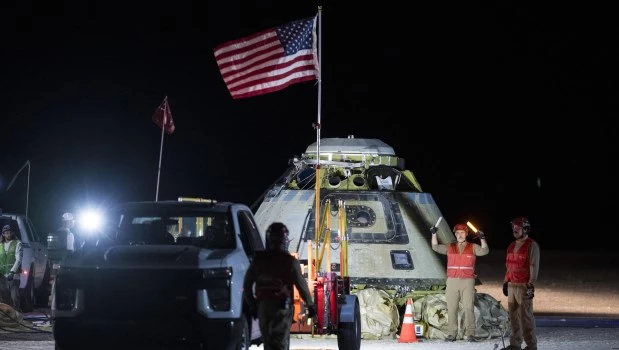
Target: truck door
(39, 248)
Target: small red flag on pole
(163, 117)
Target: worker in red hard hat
(460, 285)
(522, 264)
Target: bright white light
(90, 220)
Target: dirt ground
(570, 283)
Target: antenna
(15, 178)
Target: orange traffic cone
(407, 334)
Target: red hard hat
(521, 221)
(462, 227)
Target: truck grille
(141, 294)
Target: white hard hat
(67, 216)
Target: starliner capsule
(387, 215)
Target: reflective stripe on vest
(517, 263)
(461, 265)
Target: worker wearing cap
(68, 222)
(10, 265)
(460, 283)
(522, 264)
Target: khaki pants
(460, 290)
(274, 324)
(9, 292)
(521, 319)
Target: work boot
(511, 347)
(471, 339)
(450, 338)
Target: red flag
(270, 60)
(163, 117)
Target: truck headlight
(217, 282)
(65, 298)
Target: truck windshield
(206, 230)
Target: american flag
(270, 60)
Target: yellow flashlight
(468, 223)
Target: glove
(481, 234)
(505, 288)
(311, 311)
(530, 291)
(10, 276)
(433, 230)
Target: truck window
(249, 232)
(206, 230)
(32, 230)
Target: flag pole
(318, 126)
(27, 164)
(165, 120)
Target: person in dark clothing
(268, 288)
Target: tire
(41, 294)
(349, 334)
(245, 337)
(26, 294)
(65, 337)
(58, 347)
(68, 346)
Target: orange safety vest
(461, 265)
(518, 263)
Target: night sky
(500, 110)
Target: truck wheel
(26, 294)
(349, 335)
(245, 338)
(65, 337)
(41, 294)
(68, 346)
(58, 347)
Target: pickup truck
(162, 274)
(34, 284)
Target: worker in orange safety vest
(460, 284)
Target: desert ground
(570, 283)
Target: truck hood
(147, 257)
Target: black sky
(482, 99)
